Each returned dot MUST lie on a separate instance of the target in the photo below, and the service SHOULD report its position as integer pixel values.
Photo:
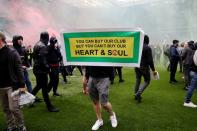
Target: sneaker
(22, 128)
(186, 88)
(52, 109)
(138, 98)
(65, 81)
(56, 94)
(114, 121)
(190, 104)
(97, 125)
(37, 100)
(172, 82)
(175, 81)
(121, 80)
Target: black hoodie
(54, 56)
(11, 69)
(99, 72)
(147, 58)
(23, 53)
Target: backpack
(167, 52)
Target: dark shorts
(99, 89)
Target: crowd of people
(183, 54)
(47, 62)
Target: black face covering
(53, 41)
(44, 37)
(15, 41)
(146, 39)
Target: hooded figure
(41, 69)
(144, 71)
(191, 45)
(17, 44)
(44, 38)
(54, 58)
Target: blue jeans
(192, 87)
(27, 81)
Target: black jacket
(54, 56)
(40, 52)
(147, 58)
(186, 54)
(174, 55)
(192, 66)
(11, 69)
(99, 72)
(23, 54)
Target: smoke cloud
(161, 20)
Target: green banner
(103, 48)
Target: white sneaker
(97, 125)
(114, 121)
(190, 104)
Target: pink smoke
(28, 21)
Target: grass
(161, 109)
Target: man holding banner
(96, 84)
(100, 51)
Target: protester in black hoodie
(144, 70)
(11, 79)
(41, 69)
(54, 58)
(17, 44)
